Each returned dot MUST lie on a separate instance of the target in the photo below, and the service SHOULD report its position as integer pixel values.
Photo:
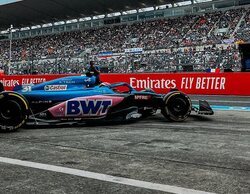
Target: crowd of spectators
(177, 60)
(67, 52)
(243, 33)
(159, 61)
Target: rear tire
(13, 111)
(177, 106)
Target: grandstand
(146, 36)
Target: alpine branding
(55, 87)
(87, 80)
(87, 107)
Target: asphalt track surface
(203, 154)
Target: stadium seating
(203, 41)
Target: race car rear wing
(204, 108)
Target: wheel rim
(178, 106)
(9, 110)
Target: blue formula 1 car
(77, 99)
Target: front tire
(13, 111)
(177, 106)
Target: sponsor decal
(67, 82)
(203, 83)
(142, 97)
(43, 115)
(186, 83)
(55, 87)
(87, 107)
(32, 80)
(152, 83)
(41, 102)
(9, 82)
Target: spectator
(96, 71)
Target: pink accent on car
(85, 107)
(58, 110)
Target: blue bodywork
(45, 95)
(66, 88)
(71, 87)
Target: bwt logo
(88, 107)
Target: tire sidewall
(167, 100)
(22, 114)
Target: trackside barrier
(235, 83)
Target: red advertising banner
(10, 81)
(190, 83)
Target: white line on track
(102, 177)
